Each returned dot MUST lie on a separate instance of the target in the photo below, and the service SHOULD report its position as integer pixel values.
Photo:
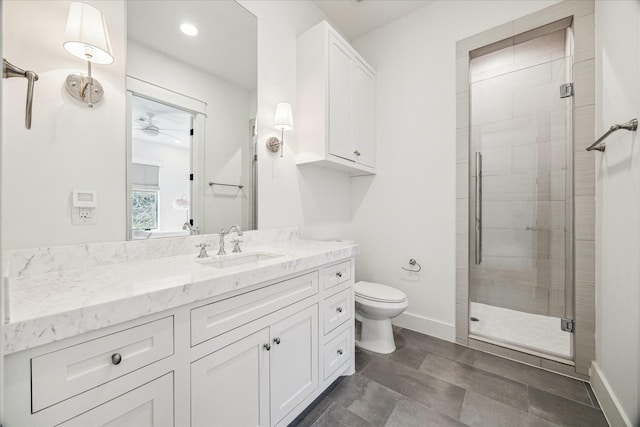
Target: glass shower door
(521, 209)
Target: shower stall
(521, 197)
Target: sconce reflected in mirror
(87, 38)
(282, 121)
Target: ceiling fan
(148, 127)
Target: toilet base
(377, 336)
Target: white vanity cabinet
(336, 103)
(258, 355)
(260, 378)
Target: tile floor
(431, 382)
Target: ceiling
(357, 18)
(226, 43)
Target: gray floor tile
(362, 359)
(563, 411)
(338, 416)
(481, 411)
(435, 345)
(404, 355)
(409, 413)
(312, 413)
(452, 385)
(369, 400)
(592, 396)
(432, 392)
(539, 378)
(491, 385)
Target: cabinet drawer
(337, 352)
(336, 274)
(61, 374)
(337, 310)
(219, 317)
(150, 405)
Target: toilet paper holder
(413, 263)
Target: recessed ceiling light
(188, 29)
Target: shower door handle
(478, 213)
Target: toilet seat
(379, 293)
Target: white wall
(313, 198)
(618, 204)
(408, 209)
(69, 145)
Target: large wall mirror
(191, 88)
(174, 106)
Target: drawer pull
(339, 274)
(267, 346)
(340, 352)
(339, 309)
(116, 358)
(276, 340)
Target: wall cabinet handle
(276, 340)
(116, 358)
(267, 346)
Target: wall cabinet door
(363, 114)
(150, 405)
(340, 67)
(231, 386)
(294, 361)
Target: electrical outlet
(83, 216)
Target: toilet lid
(377, 292)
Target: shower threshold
(531, 333)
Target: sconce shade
(284, 117)
(87, 36)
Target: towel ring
(413, 262)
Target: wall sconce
(283, 121)
(87, 38)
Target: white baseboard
(424, 325)
(607, 399)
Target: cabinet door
(231, 386)
(294, 361)
(363, 114)
(340, 85)
(149, 405)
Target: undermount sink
(234, 260)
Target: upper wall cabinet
(336, 103)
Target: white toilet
(376, 305)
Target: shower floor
(534, 332)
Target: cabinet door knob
(340, 352)
(357, 153)
(267, 346)
(339, 274)
(276, 340)
(116, 358)
(339, 309)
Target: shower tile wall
(524, 166)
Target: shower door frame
(579, 15)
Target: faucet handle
(236, 245)
(203, 250)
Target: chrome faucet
(236, 241)
(192, 228)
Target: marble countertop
(48, 307)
